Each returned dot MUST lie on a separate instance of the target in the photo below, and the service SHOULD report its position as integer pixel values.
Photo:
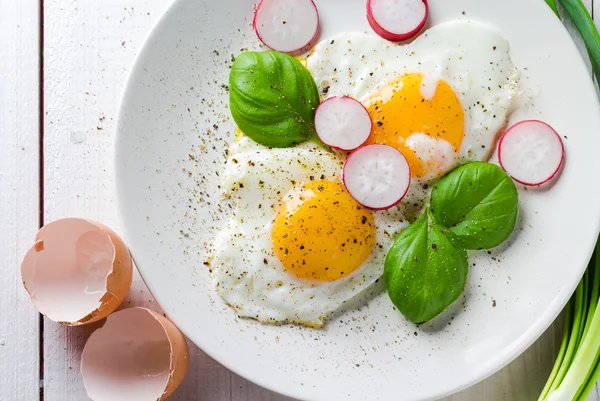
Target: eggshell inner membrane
(67, 270)
(136, 355)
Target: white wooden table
(63, 64)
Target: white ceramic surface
(173, 129)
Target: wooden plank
(89, 48)
(86, 64)
(19, 194)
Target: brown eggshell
(77, 272)
(138, 355)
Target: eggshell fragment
(77, 272)
(138, 355)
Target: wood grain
(89, 47)
(19, 194)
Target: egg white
(472, 57)
(248, 274)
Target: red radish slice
(531, 152)
(343, 123)
(286, 25)
(397, 20)
(377, 176)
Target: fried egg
(297, 245)
(440, 100)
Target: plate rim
(499, 361)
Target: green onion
(577, 366)
(552, 5)
(585, 25)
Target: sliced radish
(286, 25)
(377, 176)
(343, 123)
(397, 20)
(531, 152)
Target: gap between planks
(19, 194)
(86, 64)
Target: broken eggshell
(138, 355)
(77, 272)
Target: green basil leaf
(479, 202)
(273, 98)
(425, 270)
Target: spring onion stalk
(552, 5)
(577, 369)
(577, 366)
(585, 25)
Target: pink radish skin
(287, 26)
(377, 176)
(343, 123)
(531, 152)
(397, 22)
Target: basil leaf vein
(425, 270)
(273, 98)
(478, 202)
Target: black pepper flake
(493, 303)
(265, 261)
(332, 41)
(325, 90)
(322, 176)
(363, 220)
(379, 123)
(433, 246)
(319, 188)
(494, 47)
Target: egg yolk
(321, 233)
(399, 110)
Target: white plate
(368, 351)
